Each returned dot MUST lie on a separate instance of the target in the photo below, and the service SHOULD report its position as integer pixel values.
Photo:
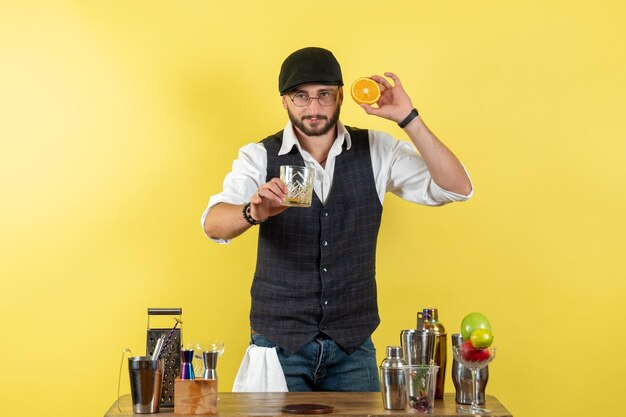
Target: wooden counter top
(348, 404)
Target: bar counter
(348, 404)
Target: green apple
(481, 338)
(471, 322)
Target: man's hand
(268, 199)
(225, 221)
(444, 167)
(394, 103)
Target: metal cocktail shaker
(392, 380)
(418, 345)
(432, 323)
(146, 379)
(462, 378)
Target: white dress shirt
(397, 167)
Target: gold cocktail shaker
(432, 323)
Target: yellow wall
(119, 119)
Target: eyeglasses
(325, 98)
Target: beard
(315, 131)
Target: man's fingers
(368, 108)
(394, 77)
(271, 191)
(281, 185)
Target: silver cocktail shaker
(146, 379)
(418, 345)
(392, 380)
(462, 378)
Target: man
(314, 289)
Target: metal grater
(171, 355)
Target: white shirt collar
(290, 140)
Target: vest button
(324, 243)
(325, 213)
(324, 270)
(322, 327)
(325, 302)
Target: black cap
(309, 65)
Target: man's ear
(340, 96)
(284, 100)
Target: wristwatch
(409, 118)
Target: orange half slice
(365, 91)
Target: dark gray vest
(316, 267)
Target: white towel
(260, 371)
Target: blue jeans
(321, 365)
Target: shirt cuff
(213, 201)
(444, 196)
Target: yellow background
(118, 120)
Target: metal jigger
(186, 356)
(210, 363)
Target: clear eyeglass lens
(325, 98)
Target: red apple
(470, 353)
